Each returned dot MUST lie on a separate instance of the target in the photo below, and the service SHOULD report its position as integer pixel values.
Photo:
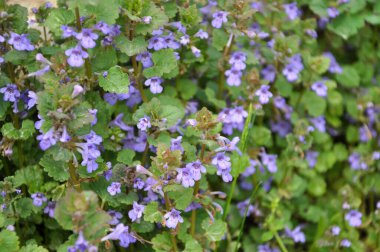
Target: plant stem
(73, 177)
(280, 243)
(226, 51)
(196, 189)
(168, 206)
(245, 215)
(136, 72)
(244, 136)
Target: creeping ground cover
(190, 125)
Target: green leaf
(211, 97)
(214, 231)
(317, 186)
(19, 18)
(33, 248)
(151, 213)
(190, 16)
(260, 136)
(164, 63)
(319, 64)
(57, 18)
(126, 156)
(314, 104)
(219, 39)
(162, 242)
(172, 114)
(31, 176)
(158, 18)
(104, 59)
(16, 57)
(143, 227)
(9, 241)
(319, 7)
(106, 11)
(58, 170)
(131, 48)
(349, 77)
(81, 209)
(116, 81)
(346, 25)
(27, 130)
(24, 207)
(187, 88)
(182, 198)
(266, 236)
(192, 245)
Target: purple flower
(319, 123)
(122, 234)
(335, 230)
(270, 161)
(345, 243)
(146, 19)
(176, 144)
(233, 77)
(185, 177)
(221, 161)
(172, 218)
(296, 234)
(20, 42)
(354, 218)
(269, 73)
(10, 92)
(48, 139)
(312, 33)
(334, 67)
(136, 212)
(319, 88)
(237, 60)
(291, 10)
(144, 123)
(243, 205)
(201, 34)
(138, 183)
(251, 169)
(196, 169)
(332, 12)
(103, 27)
(114, 188)
(293, 68)
(77, 90)
(178, 26)
(266, 248)
(196, 51)
(50, 208)
(93, 112)
(80, 245)
(87, 38)
(156, 43)
(264, 94)
(68, 31)
(170, 42)
(145, 58)
(184, 40)
(38, 199)
(76, 56)
(154, 84)
(311, 157)
(225, 174)
(219, 18)
(116, 216)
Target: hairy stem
(73, 177)
(280, 242)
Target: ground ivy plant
(190, 125)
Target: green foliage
(116, 81)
